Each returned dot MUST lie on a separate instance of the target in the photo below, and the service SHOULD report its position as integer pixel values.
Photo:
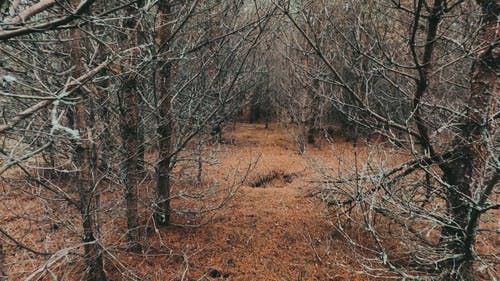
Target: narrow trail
(272, 232)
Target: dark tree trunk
(85, 159)
(310, 135)
(467, 175)
(89, 197)
(425, 67)
(3, 270)
(142, 145)
(267, 120)
(165, 122)
(89, 202)
(199, 162)
(129, 128)
(255, 113)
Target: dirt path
(271, 232)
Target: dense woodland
(118, 119)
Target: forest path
(272, 232)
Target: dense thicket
(98, 96)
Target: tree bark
(3, 270)
(466, 175)
(129, 124)
(165, 122)
(129, 133)
(85, 159)
(129, 128)
(425, 67)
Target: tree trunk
(85, 160)
(303, 137)
(310, 135)
(267, 119)
(467, 174)
(89, 202)
(199, 162)
(129, 128)
(141, 139)
(3, 270)
(141, 130)
(165, 122)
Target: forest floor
(272, 228)
(275, 231)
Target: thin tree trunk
(85, 160)
(303, 136)
(89, 197)
(425, 66)
(165, 122)
(141, 139)
(129, 127)
(466, 174)
(267, 118)
(93, 250)
(199, 162)
(3, 270)
(310, 135)
(141, 150)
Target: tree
(85, 159)
(165, 119)
(129, 126)
(3, 272)
(474, 170)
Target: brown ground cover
(271, 229)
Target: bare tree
(3, 271)
(85, 161)
(474, 170)
(129, 126)
(200, 96)
(165, 121)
